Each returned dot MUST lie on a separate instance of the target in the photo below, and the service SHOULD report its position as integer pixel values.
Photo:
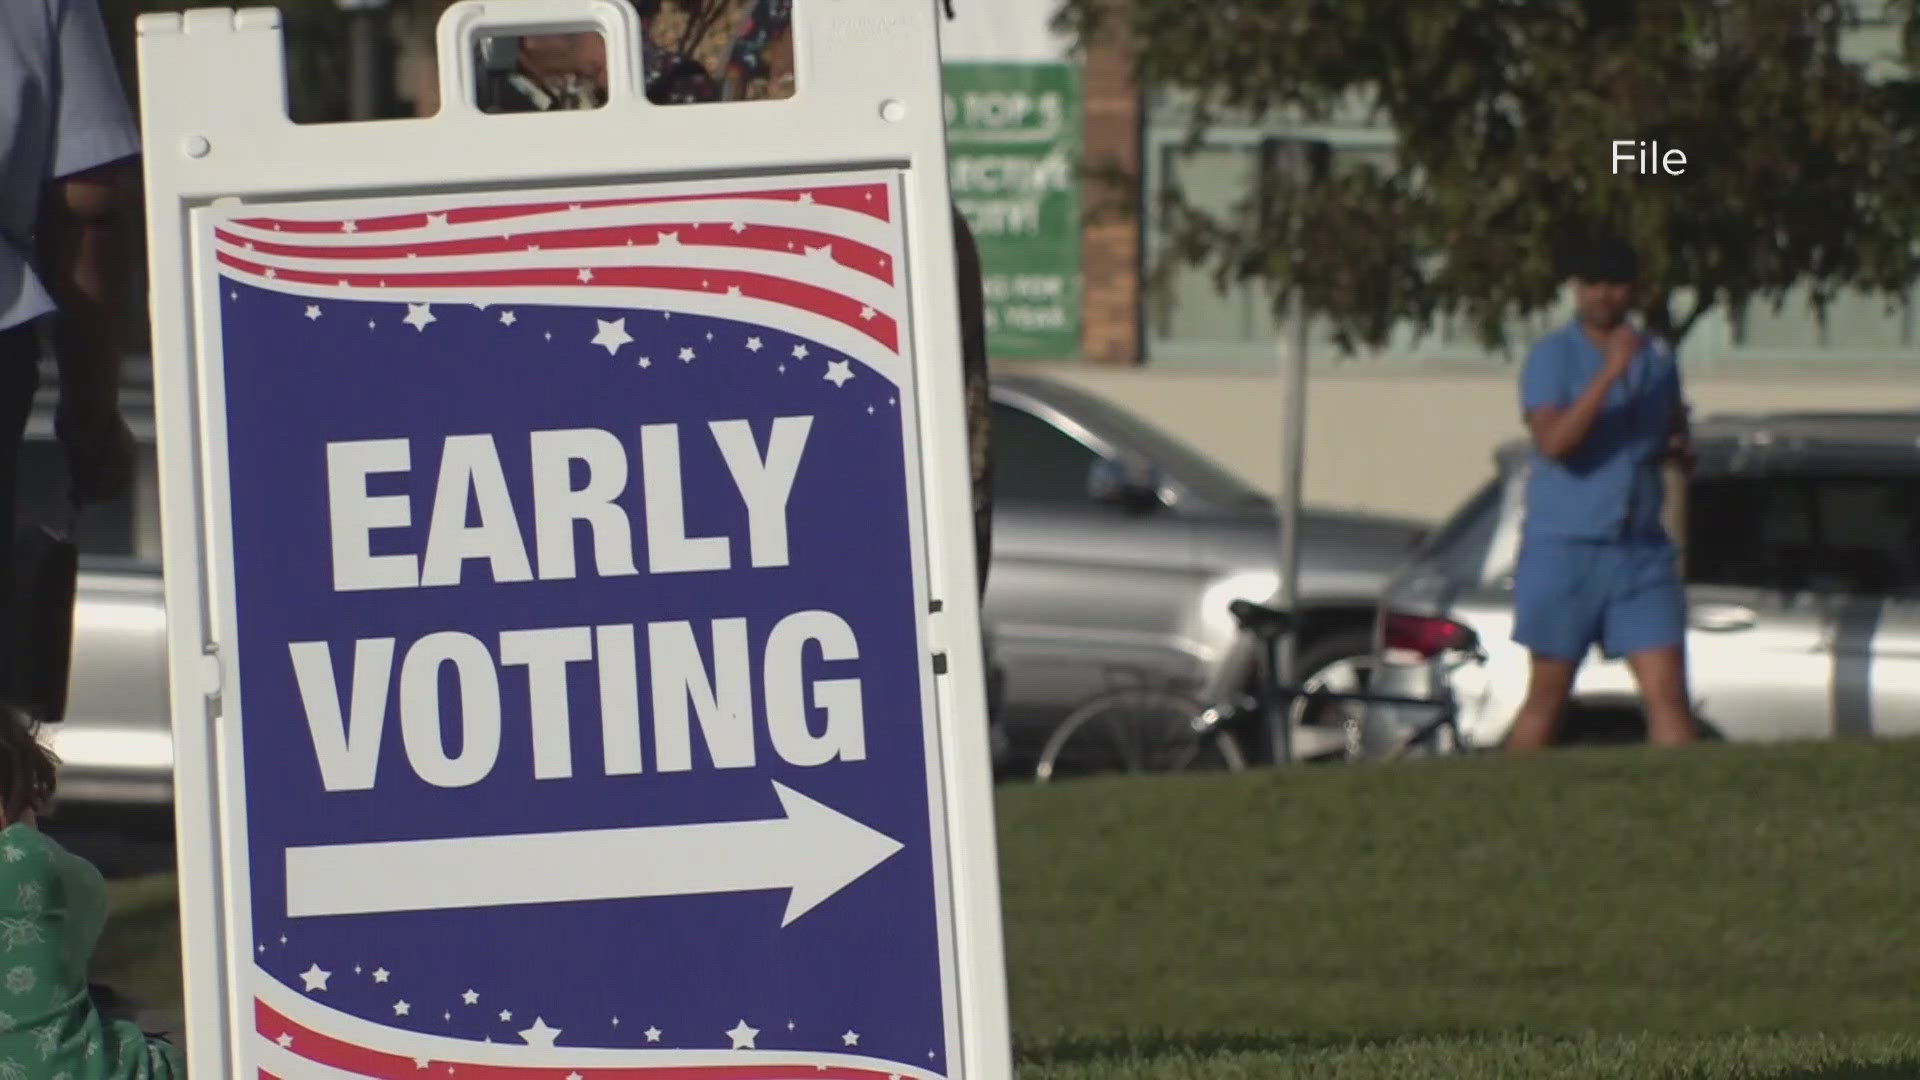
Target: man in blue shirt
(66, 142)
(1603, 404)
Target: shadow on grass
(1078, 1050)
(1905, 1069)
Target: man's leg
(1555, 615)
(1549, 685)
(1662, 675)
(19, 377)
(1646, 622)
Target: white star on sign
(851, 1038)
(686, 355)
(799, 352)
(436, 219)
(806, 197)
(753, 344)
(418, 316)
(313, 312)
(667, 239)
(470, 997)
(272, 273)
(508, 318)
(481, 305)
(506, 1015)
(401, 1008)
(653, 1034)
(586, 275)
(421, 1063)
(315, 978)
(733, 290)
(348, 226)
(838, 372)
(540, 1034)
(743, 1036)
(646, 361)
(285, 1040)
(380, 975)
(824, 252)
(866, 313)
(533, 247)
(738, 228)
(575, 1076)
(344, 283)
(612, 335)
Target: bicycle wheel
(1138, 731)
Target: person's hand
(1680, 451)
(1622, 345)
(100, 453)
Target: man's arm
(1558, 430)
(1680, 438)
(83, 256)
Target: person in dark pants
(66, 142)
(1602, 401)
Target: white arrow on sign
(814, 851)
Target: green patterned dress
(52, 907)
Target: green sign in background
(1013, 139)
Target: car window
(1867, 532)
(1033, 461)
(1464, 547)
(1745, 530)
(1198, 474)
(1820, 533)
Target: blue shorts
(1624, 595)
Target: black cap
(1602, 258)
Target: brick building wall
(1110, 245)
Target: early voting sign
(574, 648)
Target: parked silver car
(1117, 549)
(1803, 569)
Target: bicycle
(1160, 729)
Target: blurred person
(1602, 401)
(67, 142)
(53, 905)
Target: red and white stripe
(821, 261)
(296, 1038)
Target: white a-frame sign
(575, 656)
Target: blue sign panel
(582, 701)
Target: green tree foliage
(1801, 166)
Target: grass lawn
(1712, 913)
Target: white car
(1803, 582)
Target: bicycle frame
(1279, 705)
